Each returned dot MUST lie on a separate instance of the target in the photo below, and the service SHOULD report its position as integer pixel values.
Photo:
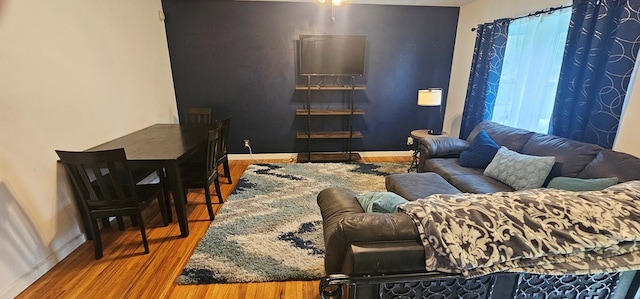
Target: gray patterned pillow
(518, 170)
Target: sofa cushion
(464, 178)
(412, 186)
(572, 156)
(481, 152)
(449, 167)
(512, 138)
(380, 202)
(576, 184)
(610, 163)
(518, 170)
(478, 183)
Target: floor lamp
(432, 97)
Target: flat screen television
(332, 55)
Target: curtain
(602, 45)
(488, 53)
(530, 71)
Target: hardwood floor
(126, 272)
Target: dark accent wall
(240, 58)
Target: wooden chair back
(106, 186)
(213, 148)
(105, 177)
(223, 158)
(224, 135)
(197, 116)
(197, 173)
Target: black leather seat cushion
(413, 186)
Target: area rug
(270, 228)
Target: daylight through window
(530, 71)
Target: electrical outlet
(246, 143)
(409, 140)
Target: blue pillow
(381, 202)
(481, 152)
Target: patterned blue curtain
(602, 44)
(488, 54)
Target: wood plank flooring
(126, 272)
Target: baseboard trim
(386, 154)
(282, 156)
(43, 267)
(290, 157)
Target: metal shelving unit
(348, 134)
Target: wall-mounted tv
(332, 55)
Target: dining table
(163, 146)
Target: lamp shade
(430, 97)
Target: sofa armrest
(385, 258)
(439, 147)
(442, 147)
(345, 222)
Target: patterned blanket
(543, 231)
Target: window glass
(530, 71)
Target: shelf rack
(349, 134)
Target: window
(530, 70)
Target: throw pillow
(576, 184)
(481, 152)
(518, 170)
(381, 202)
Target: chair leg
(97, 242)
(134, 221)
(143, 232)
(186, 193)
(227, 173)
(121, 222)
(216, 182)
(207, 198)
(105, 222)
(167, 203)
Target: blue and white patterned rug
(270, 228)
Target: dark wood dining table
(163, 146)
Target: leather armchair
(358, 242)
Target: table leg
(179, 198)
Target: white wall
(73, 74)
(627, 139)
(482, 11)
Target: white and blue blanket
(543, 231)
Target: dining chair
(222, 153)
(200, 174)
(197, 116)
(105, 182)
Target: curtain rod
(535, 13)
(539, 12)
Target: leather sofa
(379, 255)
(573, 158)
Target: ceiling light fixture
(334, 3)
